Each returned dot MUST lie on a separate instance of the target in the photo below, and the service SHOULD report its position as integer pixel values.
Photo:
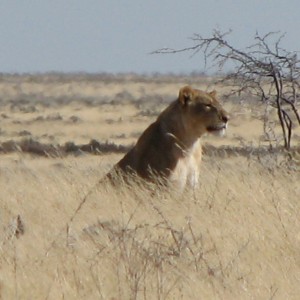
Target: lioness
(170, 147)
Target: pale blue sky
(117, 36)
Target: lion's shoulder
(154, 152)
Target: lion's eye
(207, 106)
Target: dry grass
(235, 237)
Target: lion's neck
(174, 127)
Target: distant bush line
(95, 147)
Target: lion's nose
(225, 118)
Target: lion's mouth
(216, 128)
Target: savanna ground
(235, 237)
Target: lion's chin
(220, 132)
(217, 130)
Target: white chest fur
(187, 168)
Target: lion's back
(152, 154)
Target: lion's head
(202, 112)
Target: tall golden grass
(237, 236)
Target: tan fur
(170, 147)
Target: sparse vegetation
(64, 236)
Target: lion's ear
(213, 93)
(185, 95)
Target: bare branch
(263, 69)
